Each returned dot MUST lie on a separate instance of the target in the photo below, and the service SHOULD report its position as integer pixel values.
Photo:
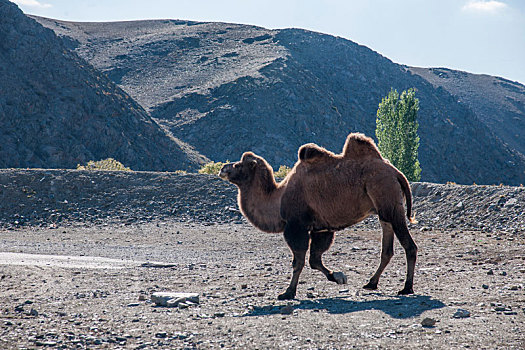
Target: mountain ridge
(226, 88)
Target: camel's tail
(405, 186)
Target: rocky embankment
(51, 198)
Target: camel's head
(243, 171)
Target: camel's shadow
(399, 307)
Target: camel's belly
(339, 221)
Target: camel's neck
(261, 206)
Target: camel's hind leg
(320, 243)
(297, 238)
(391, 213)
(401, 231)
(387, 251)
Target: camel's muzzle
(225, 171)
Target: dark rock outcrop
(56, 110)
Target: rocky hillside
(226, 88)
(499, 103)
(56, 110)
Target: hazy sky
(477, 36)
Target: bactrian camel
(323, 193)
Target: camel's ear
(252, 162)
(249, 159)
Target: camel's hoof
(370, 286)
(286, 296)
(406, 291)
(340, 278)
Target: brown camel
(324, 193)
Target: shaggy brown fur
(323, 193)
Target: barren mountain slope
(226, 88)
(56, 110)
(498, 102)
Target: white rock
(461, 313)
(173, 299)
(511, 202)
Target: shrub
(211, 168)
(106, 164)
(282, 172)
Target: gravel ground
(471, 258)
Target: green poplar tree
(396, 132)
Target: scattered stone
(461, 313)
(181, 305)
(161, 335)
(33, 312)
(133, 304)
(484, 286)
(46, 343)
(501, 307)
(19, 308)
(180, 336)
(155, 264)
(428, 322)
(490, 272)
(219, 314)
(173, 299)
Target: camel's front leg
(321, 242)
(297, 239)
(298, 264)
